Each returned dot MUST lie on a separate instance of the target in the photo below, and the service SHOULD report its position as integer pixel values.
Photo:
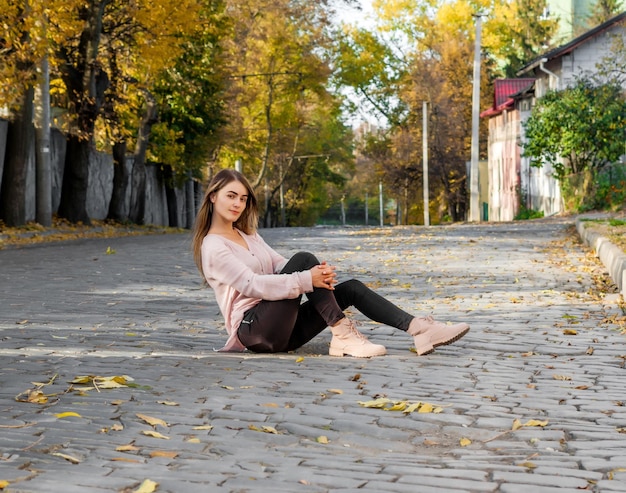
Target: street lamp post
(425, 162)
(474, 195)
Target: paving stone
(69, 309)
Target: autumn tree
(190, 98)
(427, 51)
(21, 49)
(111, 51)
(364, 62)
(278, 106)
(433, 65)
(517, 32)
(603, 10)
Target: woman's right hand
(324, 276)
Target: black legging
(285, 325)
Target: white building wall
(541, 188)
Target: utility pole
(343, 211)
(366, 210)
(283, 220)
(425, 162)
(380, 200)
(474, 193)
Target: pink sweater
(241, 278)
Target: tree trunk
(86, 82)
(138, 191)
(190, 202)
(73, 206)
(117, 207)
(20, 143)
(170, 197)
(137, 211)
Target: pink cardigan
(241, 278)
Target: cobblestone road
(544, 355)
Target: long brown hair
(247, 222)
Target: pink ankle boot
(428, 334)
(349, 341)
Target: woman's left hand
(324, 276)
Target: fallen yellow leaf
(464, 442)
(299, 359)
(335, 391)
(426, 408)
(194, 440)
(154, 434)
(378, 403)
(412, 408)
(536, 422)
(322, 439)
(32, 396)
(113, 382)
(168, 454)
(127, 448)
(517, 424)
(152, 421)
(168, 403)
(570, 332)
(148, 486)
(611, 473)
(68, 414)
(528, 464)
(4, 484)
(398, 406)
(67, 457)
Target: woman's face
(230, 201)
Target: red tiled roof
(503, 89)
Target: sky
(351, 15)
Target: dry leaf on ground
(152, 421)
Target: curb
(613, 258)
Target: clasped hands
(324, 276)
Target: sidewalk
(531, 399)
(613, 257)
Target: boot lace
(430, 320)
(355, 331)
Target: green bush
(525, 213)
(610, 193)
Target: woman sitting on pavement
(259, 291)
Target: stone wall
(100, 189)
